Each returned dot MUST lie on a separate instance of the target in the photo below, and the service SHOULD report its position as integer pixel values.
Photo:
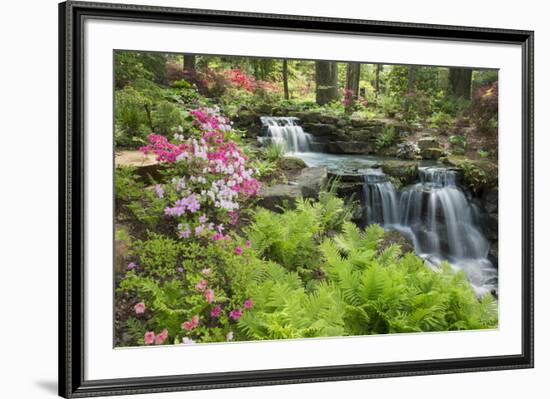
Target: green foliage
(483, 153)
(389, 105)
(459, 143)
(166, 118)
(287, 238)
(127, 186)
(131, 65)
(365, 293)
(158, 255)
(387, 138)
(441, 121)
(131, 116)
(274, 151)
(474, 176)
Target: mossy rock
(405, 172)
(432, 153)
(395, 237)
(291, 164)
(478, 175)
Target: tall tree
(377, 80)
(460, 82)
(285, 79)
(326, 80)
(411, 79)
(352, 77)
(189, 62)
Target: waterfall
(438, 219)
(286, 131)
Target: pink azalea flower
(217, 236)
(131, 266)
(203, 218)
(161, 337)
(139, 308)
(216, 311)
(189, 325)
(207, 271)
(201, 285)
(238, 250)
(236, 314)
(248, 244)
(248, 303)
(149, 338)
(209, 295)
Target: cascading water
(438, 219)
(287, 131)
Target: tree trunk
(285, 79)
(352, 77)
(326, 80)
(377, 80)
(411, 78)
(460, 82)
(189, 62)
(256, 67)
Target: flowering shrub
(188, 302)
(183, 283)
(215, 176)
(350, 99)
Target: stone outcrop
(307, 184)
(395, 237)
(145, 164)
(406, 172)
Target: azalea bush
(179, 280)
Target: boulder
(349, 147)
(360, 122)
(291, 164)
(490, 200)
(395, 237)
(427, 142)
(432, 153)
(320, 129)
(348, 175)
(405, 172)
(479, 175)
(307, 117)
(307, 184)
(362, 134)
(145, 164)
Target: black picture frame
(71, 199)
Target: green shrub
(459, 143)
(166, 118)
(132, 115)
(387, 138)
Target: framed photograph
(252, 199)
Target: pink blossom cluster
(219, 177)
(158, 339)
(349, 97)
(240, 79)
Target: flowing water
(434, 214)
(438, 219)
(287, 132)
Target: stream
(435, 213)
